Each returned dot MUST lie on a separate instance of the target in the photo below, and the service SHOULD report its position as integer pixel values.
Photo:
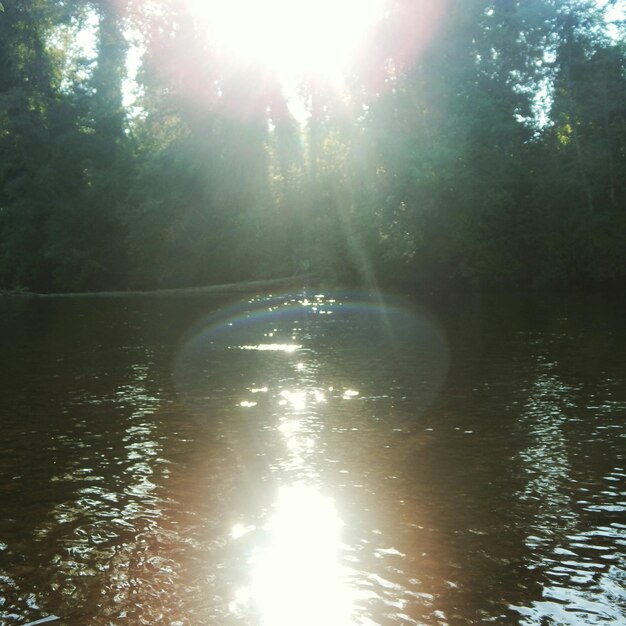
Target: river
(313, 458)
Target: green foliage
(446, 173)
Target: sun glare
(290, 37)
(297, 579)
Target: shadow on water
(312, 459)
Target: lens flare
(296, 323)
(290, 37)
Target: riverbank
(225, 288)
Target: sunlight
(297, 399)
(298, 579)
(290, 37)
(272, 347)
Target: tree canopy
(480, 143)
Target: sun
(291, 38)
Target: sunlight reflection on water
(298, 577)
(296, 556)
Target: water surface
(312, 459)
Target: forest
(477, 143)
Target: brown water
(312, 460)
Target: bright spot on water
(298, 579)
(239, 530)
(297, 399)
(273, 347)
(298, 443)
(289, 427)
(319, 396)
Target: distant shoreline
(238, 287)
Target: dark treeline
(481, 142)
